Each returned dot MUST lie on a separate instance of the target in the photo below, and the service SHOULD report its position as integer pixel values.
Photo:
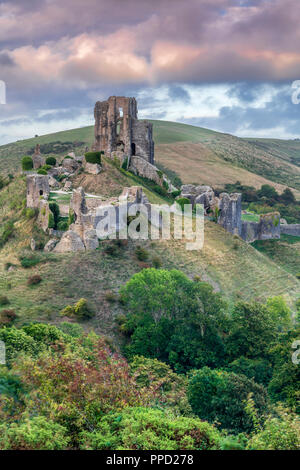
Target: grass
(284, 252)
(251, 217)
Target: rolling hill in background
(196, 154)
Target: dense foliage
(267, 199)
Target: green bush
(81, 310)
(278, 433)
(219, 396)
(51, 161)
(141, 253)
(3, 300)
(36, 433)
(31, 213)
(54, 208)
(63, 225)
(42, 171)
(29, 260)
(7, 233)
(150, 429)
(27, 163)
(93, 157)
(182, 201)
(157, 262)
(51, 222)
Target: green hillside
(195, 154)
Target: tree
(27, 163)
(173, 319)
(268, 192)
(220, 396)
(253, 330)
(287, 197)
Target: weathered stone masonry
(117, 128)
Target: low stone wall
(266, 229)
(291, 229)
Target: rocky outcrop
(50, 245)
(90, 239)
(70, 242)
(78, 205)
(139, 166)
(70, 165)
(92, 168)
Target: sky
(227, 65)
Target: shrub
(216, 395)
(157, 262)
(4, 300)
(93, 157)
(62, 225)
(34, 280)
(71, 218)
(54, 208)
(110, 296)
(51, 223)
(42, 171)
(111, 249)
(7, 233)
(278, 433)
(150, 429)
(81, 310)
(27, 163)
(176, 193)
(37, 433)
(51, 161)
(7, 317)
(182, 201)
(30, 213)
(141, 253)
(30, 260)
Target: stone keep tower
(37, 189)
(117, 128)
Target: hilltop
(194, 153)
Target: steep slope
(234, 268)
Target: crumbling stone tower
(37, 189)
(117, 128)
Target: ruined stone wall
(291, 229)
(118, 129)
(266, 229)
(230, 212)
(142, 140)
(37, 188)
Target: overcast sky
(222, 64)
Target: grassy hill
(238, 270)
(195, 154)
(233, 267)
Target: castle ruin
(117, 129)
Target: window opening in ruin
(133, 148)
(41, 192)
(121, 112)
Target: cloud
(56, 55)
